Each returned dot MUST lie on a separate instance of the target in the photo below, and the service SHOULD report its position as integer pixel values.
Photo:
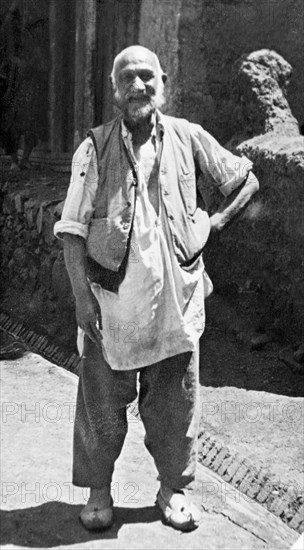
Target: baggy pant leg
(101, 421)
(169, 408)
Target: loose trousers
(168, 404)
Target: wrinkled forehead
(136, 60)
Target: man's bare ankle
(101, 495)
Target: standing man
(133, 237)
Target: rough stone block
(297, 521)
(210, 456)
(266, 489)
(232, 468)
(240, 474)
(222, 455)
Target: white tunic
(159, 309)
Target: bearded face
(138, 91)
(135, 107)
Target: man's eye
(146, 76)
(126, 78)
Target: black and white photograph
(152, 274)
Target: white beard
(134, 112)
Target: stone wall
(35, 286)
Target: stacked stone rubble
(32, 264)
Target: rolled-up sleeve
(227, 171)
(79, 202)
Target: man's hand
(87, 308)
(88, 316)
(217, 223)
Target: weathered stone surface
(299, 354)
(28, 252)
(20, 257)
(222, 457)
(263, 252)
(260, 87)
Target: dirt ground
(247, 406)
(40, 507)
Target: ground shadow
(57, 523)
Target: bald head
(138, 83)
(135, 55)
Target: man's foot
(98, 512)
(176, 509)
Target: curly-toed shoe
(96, 517)
(181, 514)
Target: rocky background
(258, 262)
(35, 286)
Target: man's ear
(113, 87)
(164, 78)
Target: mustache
(141, 98)
(156, 99)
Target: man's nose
(138, 84)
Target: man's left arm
(234, 204)
(231, 174)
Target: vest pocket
(96, 242)
(191, 236)
(187, 186)
(107, 241)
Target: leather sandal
(95, 517)
(186, 518)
